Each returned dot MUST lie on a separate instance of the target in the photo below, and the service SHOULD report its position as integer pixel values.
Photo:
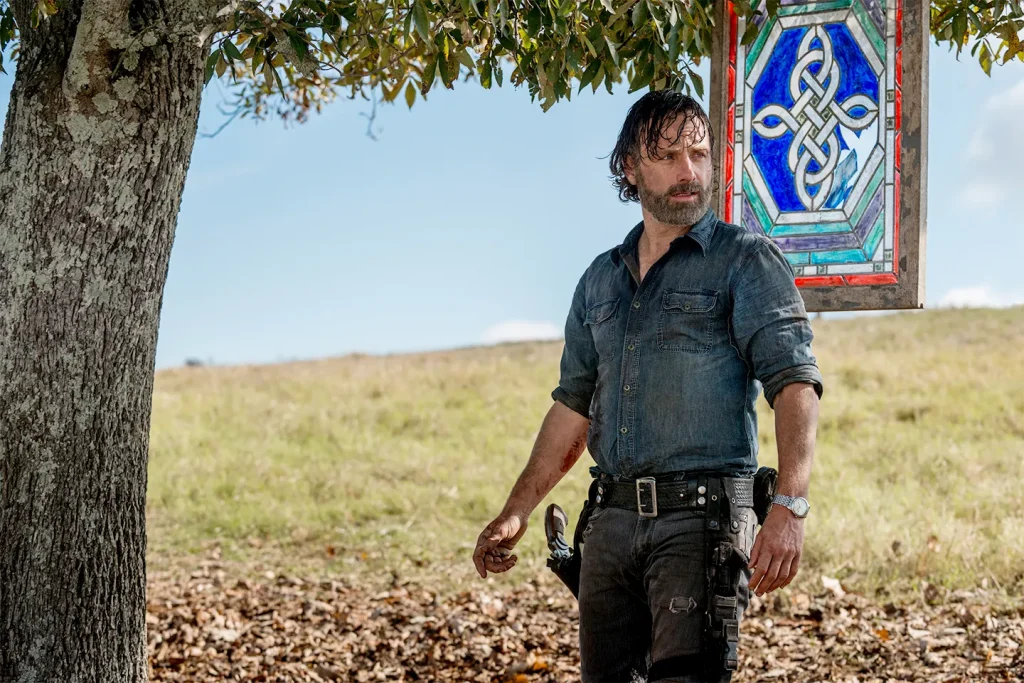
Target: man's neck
(657, 236)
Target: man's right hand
(494, 545)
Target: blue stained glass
(856, 77)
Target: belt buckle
(653, 487)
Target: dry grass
(364, 463)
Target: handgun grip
(555, 521)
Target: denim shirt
(669, 369)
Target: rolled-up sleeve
(770, 325)
(579, 358)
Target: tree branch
(102, 28)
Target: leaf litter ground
(208, 626)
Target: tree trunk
(95, 150)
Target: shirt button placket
(629, 381)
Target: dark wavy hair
(645, 127)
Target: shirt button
(686, 307)
(631, 347)
(624, 430)
(636, 304)
(625, 388)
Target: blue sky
(471, 218)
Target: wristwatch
(798, 506)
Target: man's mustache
(693, 187)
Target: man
(667, 340)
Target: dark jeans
(642, 593)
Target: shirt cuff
(572, 401)
(807, 374)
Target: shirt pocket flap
(598, 313)
(694, 301)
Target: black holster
(764, 490)
(724, 525)
(568, 569)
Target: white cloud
(979, 296)
(978, 195)
(994, 152)
(521, 330)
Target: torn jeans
(643, 592)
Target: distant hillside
(397, 461)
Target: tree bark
(96, 145)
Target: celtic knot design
(813, 118)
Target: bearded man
(669, 340)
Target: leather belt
(648, 496)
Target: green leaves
(960, 28)
(8, 30)
(643, 77)
(612, 52)
(993, 29)
(429, 74)
(230, 50)
(42, 10)
(211, 64)
(486, 74)
(290, 58)
(590, 74)
(749, 34)
(985, 59)
(419, 16)
(698, 83)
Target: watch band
(795, 504)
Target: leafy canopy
(290, 59)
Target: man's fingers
(783, 578)
(498, 564)
(755, 552)
(759, 572)
(493, 551)
(485, 543)
(769, 576)
(793, 569)
(478, 561)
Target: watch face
(801, 507)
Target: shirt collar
(702, 232)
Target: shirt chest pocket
(601, 322)
(686, 321)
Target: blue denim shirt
(669, 369)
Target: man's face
(675, 187)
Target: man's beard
(665, 210)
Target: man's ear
(629, 170)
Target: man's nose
(685, 171)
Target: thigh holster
(724, 562)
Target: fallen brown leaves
(207, 627)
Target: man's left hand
(776, 552)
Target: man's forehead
(685, 130)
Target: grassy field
(367, 464)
